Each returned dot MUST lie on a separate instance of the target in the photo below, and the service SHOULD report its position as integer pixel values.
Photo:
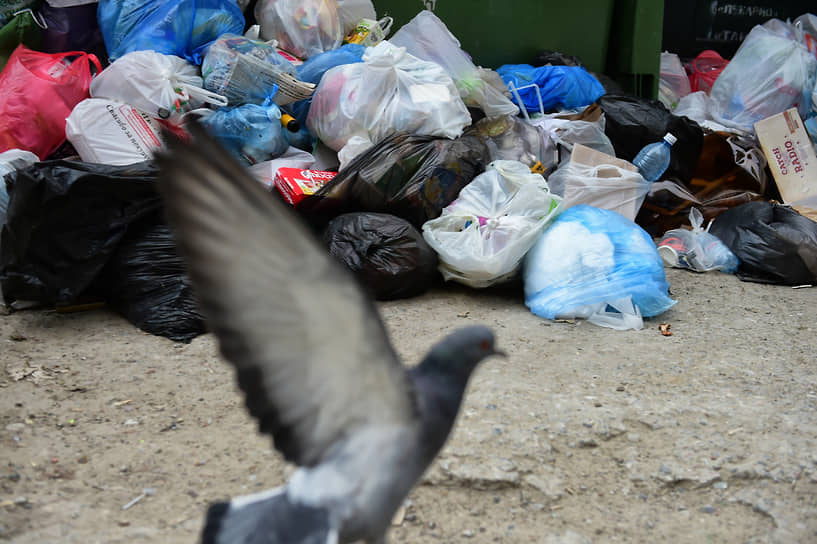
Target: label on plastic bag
(111, 133)
(429, 92)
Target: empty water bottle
(653, 160)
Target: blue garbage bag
(590, 257)
(561, 86)
(173, 27)
(251, 132)
(314, 67)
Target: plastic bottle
(653, 160)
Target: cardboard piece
(792, 159)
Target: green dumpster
(497, 32)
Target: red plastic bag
(39, 90)
(704, 70)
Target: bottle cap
(670, 139)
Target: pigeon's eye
(485, 345)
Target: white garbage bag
(162, 85)
(482, 236)
(389, 91)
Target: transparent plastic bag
(390, 91)
(301, 27)
(674, 82)
(350, 12)
(606, 186)
(696, 249)
(426, 37)
(588, 263)
(482, 236)
(770, 73)
(246, 71)
(162, 85)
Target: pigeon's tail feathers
(267, 519)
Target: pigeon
(311, 356)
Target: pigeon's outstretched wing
(311, 353)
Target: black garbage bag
(145, 281)
(633, 122)
(407, 175)
(65, 219)
(387, 254)
(774, 243)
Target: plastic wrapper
(65, 220)
(301, 27)
(696, 249)
(427, 38)
(410, 176)
(250, 132)
(551, 87)
(387, 254)
(113, 133)
(390, 91)
(632, 122)
(483, 235)
(50, 85)
(771, 72)
(350, 12)
(774, 243)
(174, 27)
(590, 259)
(246, 71)
(145, 281)
(161, 85)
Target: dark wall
(690, 26)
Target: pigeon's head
(461, 351)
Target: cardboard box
(791, 157)
(296, 184)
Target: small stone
(131, 422)
(468, 533)
(720, 485)
(708, 509)
(15, 427)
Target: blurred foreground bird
(312, 357)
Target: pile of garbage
(409, 160)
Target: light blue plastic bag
(174, 27)
(590, 260)
(251, 132)
(561, 86)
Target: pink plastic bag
(39, 90)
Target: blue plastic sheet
(561, 86)
(251, 132)
(173, 27)
(591, 256)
